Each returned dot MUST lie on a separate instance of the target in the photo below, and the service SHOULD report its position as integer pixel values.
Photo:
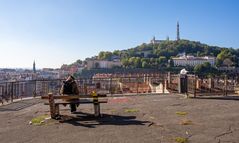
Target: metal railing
(110, 85)
(217, 85)
(124, 84)
(32, 88)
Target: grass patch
(151, 117)
(130, 110)
(181, 113)
(181, 140)
(38, 120)
(113, 110)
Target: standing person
(70, 87)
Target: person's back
(67, 88)
(70, 87)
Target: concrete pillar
(182, 83)
(169, 77)
(211, 83)
(198, 83)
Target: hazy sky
(54, 32)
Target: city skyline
(57, 32)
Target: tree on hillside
(204, 68)
(105, 55)
(135, 62)
(125, 62)
(161, 54)
(145, 64)
(79, 61)
(227, 62)
(170, 63)
(117, 53)
(224, 54)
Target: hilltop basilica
(154, 41)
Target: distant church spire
(154, 38)
(34, 67)
(178, 34)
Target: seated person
(70, 87)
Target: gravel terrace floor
(131, 119)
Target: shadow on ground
(218, 97)
(19, 105)
(90, 121)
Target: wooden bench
(55, 100)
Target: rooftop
(193, 58)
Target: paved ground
(134, 119)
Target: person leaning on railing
(70, 87)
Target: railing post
(225, 84)
(85, 86)
(111, 86)
(137, 79)
(186, 88)
(35, 90)
(2, 94)
(195, 86)
(6, 92)
(11, 95)
(164, 83)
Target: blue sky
(54, 32)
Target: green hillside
(159, 55)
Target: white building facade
(193, 61)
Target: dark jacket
(74, 87)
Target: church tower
(178, 34)
(153, 40)
(34, 67)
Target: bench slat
(80, 102)
(72, 96)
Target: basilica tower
(178, 34)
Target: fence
(145, 83)
(172, 83)
(198, 85)
(214, 85)
(126, 84)
(31, 88)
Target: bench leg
(97, 109)
(52, 105)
